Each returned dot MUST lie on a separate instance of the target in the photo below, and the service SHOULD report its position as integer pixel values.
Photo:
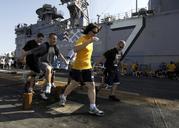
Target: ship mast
(78, 12)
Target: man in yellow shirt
(81, 71)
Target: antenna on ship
(136, 5)
(98, 16)
(78, 9)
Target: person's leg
(109, 78)
(76, 77)
(115, 82)
(53, 79)
(35, 69)
(53, 76)
(112, 96)
(91, 92)
(89, 82)
(67, 91)
(113, 89)
(47, 69)
(48, 76)
(71, 87)
(106, 78)
(92, 98)
(30, 82)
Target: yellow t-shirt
(83, 57)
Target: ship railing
(118, 16)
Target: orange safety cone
(27, 101)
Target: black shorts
(34, 68)
(33, 64)
(112, 77)
(82, 76)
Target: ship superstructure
(151, 35)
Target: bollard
(27, 101)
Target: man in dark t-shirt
(112, 61)
(45, 54)
(31, 61)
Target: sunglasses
(121, 47)
(95, 32)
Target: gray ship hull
(158, 42)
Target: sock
(49, 84)
(92, 106)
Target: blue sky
(14, 12)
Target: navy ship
(151, 34)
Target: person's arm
(63, 58)
(74, 56)
(22, 58)
(36, 51)
(121, 56)
(83, 45)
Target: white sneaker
(96, 111)
(62, 101)
(48, 88)
(43, 96)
